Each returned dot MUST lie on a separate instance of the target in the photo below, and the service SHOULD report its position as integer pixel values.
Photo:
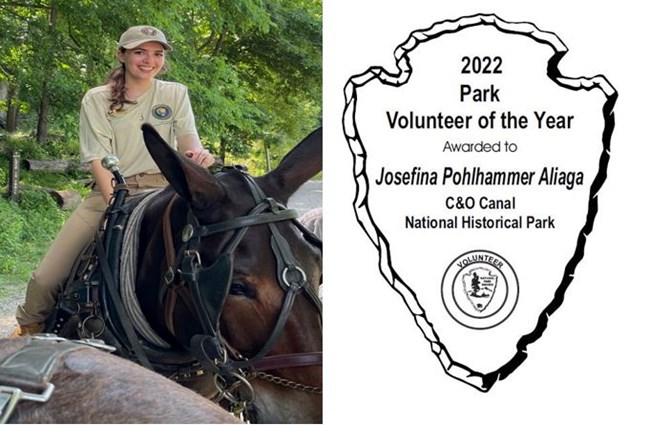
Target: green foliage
(23, 143)
(42, 216)
(11, 231)
(75, 180)
(26, 228)
(57, 147)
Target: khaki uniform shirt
(165, 105)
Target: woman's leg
(46, 281)
(55, 267)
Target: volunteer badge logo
(480, 289)
(161, 112)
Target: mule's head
(256, 261)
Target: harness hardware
(29, 370)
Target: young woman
(110, 120)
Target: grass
(25, 240)
(16, 279)
(27, 227)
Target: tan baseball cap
(135, 36)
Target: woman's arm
(103, 179)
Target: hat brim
(134, 44)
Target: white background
(590, 366)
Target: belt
(136, 178)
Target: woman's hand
(201, 156)
(191, 147)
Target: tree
(11, 38)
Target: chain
(288, 383)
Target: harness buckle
(10, 396)
(274, 205)
(196, 257)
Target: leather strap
(282, 361)
(167, 232)
(123, 318)
(170, 295)
(172, 291)
(248, 221)
(32, 367)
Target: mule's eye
(242, 289)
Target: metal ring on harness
(225, 390)
(299, 283)
(92, 334)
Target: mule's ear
(191, 181)
(303, 162)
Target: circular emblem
(148, 31)
(161, 112)
(480, 289)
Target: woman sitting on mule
(110, 120)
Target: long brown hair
(116, 79)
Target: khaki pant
(52, 272)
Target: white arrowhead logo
(479, 285)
